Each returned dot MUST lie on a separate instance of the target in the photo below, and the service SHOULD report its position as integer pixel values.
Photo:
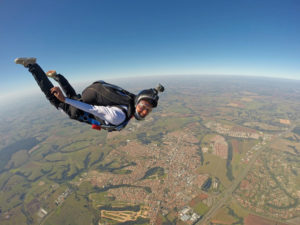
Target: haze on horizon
(108, 39)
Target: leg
(43, 82)
(45, 85)
(73, 112)
(65, 85)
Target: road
(229, 191)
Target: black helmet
(150, 95)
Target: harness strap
(86, 118)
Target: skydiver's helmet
(150, 95)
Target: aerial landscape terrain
(217, 150)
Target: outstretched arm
(111, 114)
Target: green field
(215, 166)
(73, 211)
(200, 208)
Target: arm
(111, 114)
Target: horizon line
(19, 95)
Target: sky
(103, 39)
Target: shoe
(25, 61)
(51, 73)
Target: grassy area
(243, 146)
(75, 146)
(215, 166)
(18, 159)
(178, 108)
(200, 208)
(223, 215)
(237, 166)
(12, 193)
(205, 142)
(298, 182)
(100, 199)
(16, 217)
(85, 188)
(37, 189)
(73, 211)
(241, 212)
(172, 123)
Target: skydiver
(101, 104)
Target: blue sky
(91, 40)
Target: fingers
(54, 90)
(58, 93)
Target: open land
(212, 153)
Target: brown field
(159, 221)
(220, 222)
(257, 220)
(245, 99)
(283, 121)
(198, 199)
(236, 104)
(295, 220)
(220, 146)
(222, 217)
(233, 104)
(283, 145)
(124, 216)
(235, 146)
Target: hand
(58, 94)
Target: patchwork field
(173, 168)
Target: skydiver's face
(143, 108)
